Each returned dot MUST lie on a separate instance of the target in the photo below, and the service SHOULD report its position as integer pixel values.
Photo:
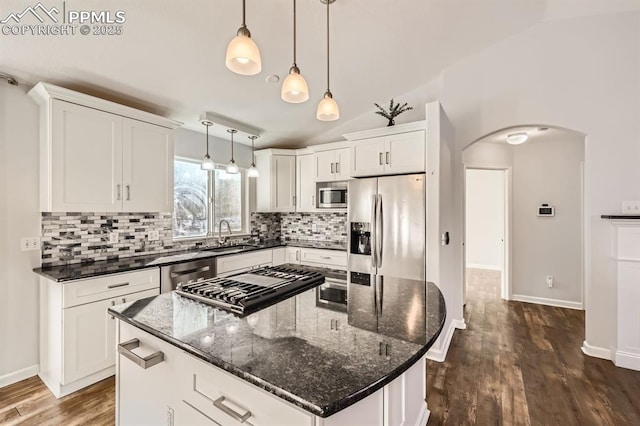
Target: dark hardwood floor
(516, 363)
(521, 363)
(29, 402)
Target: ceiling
(170, 58)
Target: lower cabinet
(77, 335)
(229, 265)
(332, 259)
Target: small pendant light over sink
(232, 167)
(328, 108)
(253, 171)
(294, 87)
(243, 55)
(207, 162)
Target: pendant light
(243, 55)
(328, 108)
(232, 167)
(253, 171)
(207, 162)
(294, 87)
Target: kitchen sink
(229, 249)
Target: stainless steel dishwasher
(171, 275)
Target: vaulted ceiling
(170, 58)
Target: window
(202, 199)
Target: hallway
(521, 363)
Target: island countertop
(290, 350)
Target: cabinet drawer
(330, 258)
(225, 398)
(109, 286)
(241, 261)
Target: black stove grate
(251, 291)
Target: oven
(332, 294)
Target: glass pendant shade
(253, 171)
(328, 108)
(243, 55)
(232, 168)
(294, 87)
(207, 163)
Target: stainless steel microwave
(332, 198)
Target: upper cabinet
(276, 185)
(305, 183)
(396, 150)
(98, 156)
(331, 162)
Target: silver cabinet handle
(337, 167)
(337, 322)
(380, 159)
(380, 349)
(313, 200)
(124, 300)
(219, 404)
(325, 257)
(333, 168)
(387, 157)
(118, 192)
(144, 362)
(297, 254)
(129, 187)
(189, 271)
(294, 200)
(117, 285)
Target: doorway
(486, 226)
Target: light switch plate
(113, 237)
(29, 243)
(631, 207)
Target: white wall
(548, 172)
(485, 219)
(19, 217)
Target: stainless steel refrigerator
(387, 244)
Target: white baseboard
(423, 418)
(481, 266)
(439, 353)
(627, 360)
(16, 376)
(549, 302)
(595, 351)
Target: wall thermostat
(546, 210)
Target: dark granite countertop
(299, 357)
(620, 216)
(325, 245)
(76, 271)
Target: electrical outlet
(630, 207)
(549, 281)
(29, 243)
(154, 235)
(314, 227)
(113, 237)
(263, 227)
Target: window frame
(211, 225)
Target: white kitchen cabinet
(293, 255)
(77, 336)
(305, 183)
(227, 265)
(98, 156)
(279, 256)
(276, 185)
(396, 150)
(331, 165)
(333, 259)
(146, 396)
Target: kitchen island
(295, 362)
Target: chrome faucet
(222, 241)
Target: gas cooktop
(251, 291)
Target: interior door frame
(505, 285)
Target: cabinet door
(293, 255)
(367, 157)
(147, 167)
(405, 153)
(89, 336)
(324, 166)
(283, 183)
(342, 163)
(86, 159)
(305, 183)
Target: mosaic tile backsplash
(314, 226)
(84, 237)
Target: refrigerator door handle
(374, 207)
(379, 230)
(379, 294)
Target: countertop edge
(43, 271)
(321, 411)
